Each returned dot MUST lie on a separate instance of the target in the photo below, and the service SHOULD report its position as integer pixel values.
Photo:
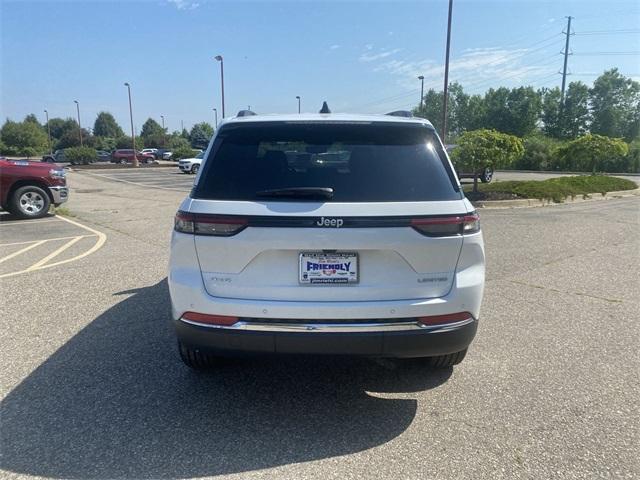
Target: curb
(535, 202)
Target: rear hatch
(327, 212)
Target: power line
(609, 32)
(585, 54)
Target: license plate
(328, 268)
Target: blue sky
(359, 56)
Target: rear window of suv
(369, 162)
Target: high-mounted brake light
(206, 224)
(447, 226)
(210, 319)
(444, 319)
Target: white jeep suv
(326, 234)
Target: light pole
(421, 78)
(48, 131)
(216, 112)
(445, 100)
(79, 126)
(133, 133)
(219, 58)
(163, 131)
(298, 97)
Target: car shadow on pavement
(116, 402)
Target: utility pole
(298, 98)
(566, 58)
(421, 78)
(446, 76)
(215, 110)
(182, 125)
(48, 131)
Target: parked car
(126, 156)
(376, 252)
(152, 151)
(191, 165)
(104, 156)
(485, 174)
(27, 189)
(55, 157)
(167, 154)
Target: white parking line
(43, 263)
(23, 223)
(22, 250)
(136, 183)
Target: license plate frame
(348, 272)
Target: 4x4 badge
(330, 222)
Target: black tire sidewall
(195, 169)
(14, 203)
(484, 178)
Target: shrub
(538, 153)
(80, 155)
(592, 153)
(183, 153)
(177, 142)
(633, 157)
(478, 149)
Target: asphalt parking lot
(93, 386)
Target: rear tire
(195, 168)
(197, 359)
(447, 361)
(487, 175)
(29, 202)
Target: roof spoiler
(400, 113)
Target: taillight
(444, 319)
(206, 224)
(447, 226)
(210, 319)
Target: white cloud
(334, 47)
(372, 57)
(368, 46)
(472, 67)
(184, 4)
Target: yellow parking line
(45, 240)
(22, 250)
(102, 238)
(54, 254)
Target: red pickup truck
(126, 156)
(27, 189)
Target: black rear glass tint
(360, 162)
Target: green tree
(538, 153)
(125, 142)
(575, 112)
(106, 126)
(615, 105)
(592, 153)
(200, 135)
(177, 141)
(478, 149)
(80, 155)
(463, 111)
(61, 126)
(514, 111)
(32, 119)
(552, 124)
(24, 138)
(151, 128)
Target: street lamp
(298, 97)
(48, 131)
(79, 126)
(163, 131)
(133, 133)
(216, 112)
(421, 78)
(445, 99)
(219, 58)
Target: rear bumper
(398, 339)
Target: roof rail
(245, 113)
(400, 113)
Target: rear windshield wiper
(292, 192)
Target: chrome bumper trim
(60, 194)
(276, 327)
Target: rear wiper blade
(322, 192)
